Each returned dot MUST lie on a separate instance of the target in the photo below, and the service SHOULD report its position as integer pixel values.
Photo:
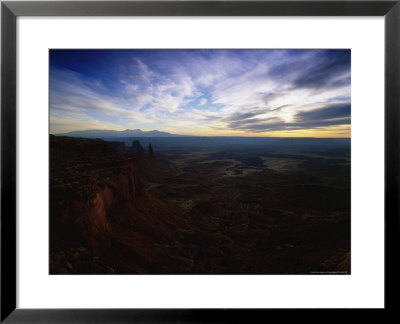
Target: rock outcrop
(137, 148)
(100, 211)
(150, 152)
(119, 213)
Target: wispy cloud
(218, 91)
(337, 114)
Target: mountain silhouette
(98, 133)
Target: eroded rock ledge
(101, 218)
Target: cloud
(230, 90)
(202, 101)
(336, 114)
(315, 69)
(335, 111)
(243, 116)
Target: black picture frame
(10, 10)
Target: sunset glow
(277, 93)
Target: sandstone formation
(137, 148)
(101, 218)
(117, 212)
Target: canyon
(116, 209)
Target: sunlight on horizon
(251, 93)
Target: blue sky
(202, 92)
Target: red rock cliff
(101, 219)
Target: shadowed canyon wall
(101, 219)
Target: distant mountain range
(98, 133)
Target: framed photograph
(193, 161)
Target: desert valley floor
(210, 206)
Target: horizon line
(232, 136)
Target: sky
(279, 93)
